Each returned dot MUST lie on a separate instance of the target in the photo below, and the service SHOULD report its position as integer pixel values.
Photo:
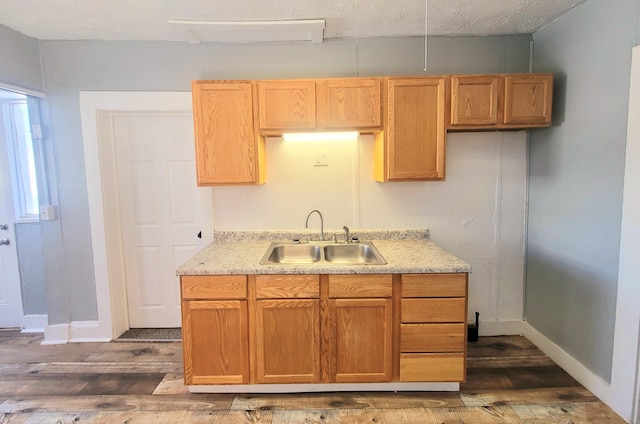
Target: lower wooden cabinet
(433, 327)
(215, 341)
(287, 338)
(286, 329)
(432, 367)
(362, 337)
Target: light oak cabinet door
(349, 103)
(228, 149)
(504, 101)
(360, 329)
(287, 105)
(475, 100)
(215, 342)
(319, 104)
(362, 337)
(412, 145)
(287, 329)
(288, 341)
(528, 99)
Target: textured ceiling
(148, 19)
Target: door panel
(159, 211)
(10, 296)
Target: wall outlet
(321, 159)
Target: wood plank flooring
(508, 381)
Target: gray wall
(19, 60)
(72, 66)
(576, 180)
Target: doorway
(106, 117)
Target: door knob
(4, 242)
(4, 227)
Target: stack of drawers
(433, 316)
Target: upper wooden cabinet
(501, 101)
(474, 100)
(228, 149)
(331, 104)
(409, 117)
(287, 104)
(527, 100)
(348, 103)
(411, 145)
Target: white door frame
(626, 346)
(97, 109)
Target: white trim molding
(333, 387)
(593, 382)
(511, 327)
(73, 332)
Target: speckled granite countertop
(405, 251)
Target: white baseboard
(74, 332)
(501, 328)
(331, 387)
(593, 382)
(34, 323)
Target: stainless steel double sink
(322, 252)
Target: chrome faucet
(306, 224)
(346, 234)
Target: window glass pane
(26, 160)
(21, 156)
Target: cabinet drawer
(361, 285)
(434, 285)
(432, 337)
(433, 310)
(287, 286)
(432, 367)
(214, 287)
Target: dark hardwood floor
(508, 381)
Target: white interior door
(159, 212)
(11, 312)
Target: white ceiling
(149, 19)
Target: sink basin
(352, 253)
(324, 253)
(293, 254)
